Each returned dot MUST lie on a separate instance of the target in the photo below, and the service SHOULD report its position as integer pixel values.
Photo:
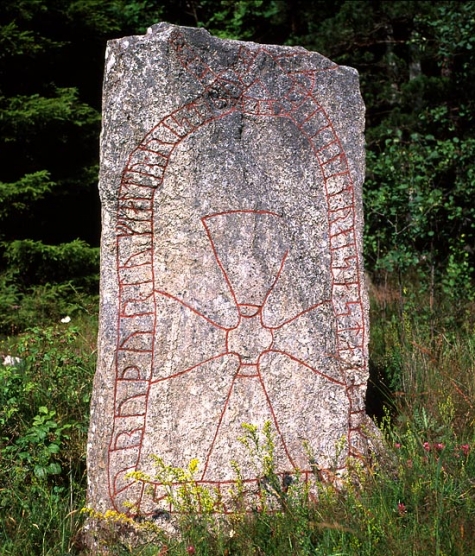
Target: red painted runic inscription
(248, 352)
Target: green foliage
(43, 283)
(24, 118)
(37, 448)
(416, 211)
(32, 262)
(247, 19)
(41, 305)
(419, 498)
(19, 197)
(44, 406)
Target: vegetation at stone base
(419, 499)
(45, 389)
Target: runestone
(232, 285)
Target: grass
(418, 499)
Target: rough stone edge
(104, 368)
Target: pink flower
(465, 449)
(191, 550)
(439, 446)
(397, 445)
(401, 508)
(427, 446)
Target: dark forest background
(416, 61)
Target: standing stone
(232, 275)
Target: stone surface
(232, 283)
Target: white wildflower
(66, 319)
(11, 361)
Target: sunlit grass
(416, 498)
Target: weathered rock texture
(232, 283)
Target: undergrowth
(418, 498)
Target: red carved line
(346, 246)
(343, 173)
(227, 482)
(119, 408)
(299, 314)
(345, 231)
(169, 128)
(170, 296)
(184, 49)
(310, 137)
(348, 303)
(180, 373)
(165, 152)
(128, 486)
(116, 477)
(124, 315)
(265, 108)
(133, 379)
(319, 109)
(331, 379)
(220, 264)
(276, 423)
(126, 264)
(127, 183)
(281, 268)
(136, 299)
(126, 434)
(346, 283)
(360, 385)
(125, 267)
(147, 190)
(346, 329)
(351, 210)
(256, 307)
(348, 211)
(247, 55)
(347, 286)
(188, 128)
(133, 335)
(153, 154)
(141, 185)
(210, 451)
(142, 173)
(339, 155)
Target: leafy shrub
(33, 262)
(44, 407)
